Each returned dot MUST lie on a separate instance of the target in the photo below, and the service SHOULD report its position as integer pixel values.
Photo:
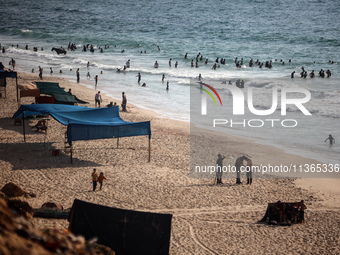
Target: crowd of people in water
(304, 74)
(195, 62)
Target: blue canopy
(88, 123)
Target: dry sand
(207, 219)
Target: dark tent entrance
(88, 123)
(124, 231)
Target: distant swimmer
(292, 74)
(51, 70)
(176, 64)
(230, 83)
(331, 139)
(242, 84)
(163, 77)
(156, 65)
(170, 62)
(122, 51)
(88, 75)
(329, 73)
(144, 85)
(186, 55)
(200, 77)
(167, 85)
(158, 48)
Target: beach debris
(52, 206)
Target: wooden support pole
(16, 81)
(149, 149)
(117, 142)
(71, 152)
(23, 125)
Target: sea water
(307, 32)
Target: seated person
(41, 125)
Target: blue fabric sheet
(88, 123)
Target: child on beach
(101, 178)
(94, 178)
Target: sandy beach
(207, 219)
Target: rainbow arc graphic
(204, 100)
(209, 93)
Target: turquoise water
(307, 32)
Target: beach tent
(124, 231)
(85, 123)
(61, 96)
(8, 74)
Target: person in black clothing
(238, 164)
(219, 172)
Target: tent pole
(117, 142)
(71, 149)
(16, 81)
(23, 125)
(149, 149)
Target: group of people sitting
(40, 126)
(285, 213)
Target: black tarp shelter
(127, 232)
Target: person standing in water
(95, 81)
(331, 139)
(139, 77)
(78, 75)
(124, 101)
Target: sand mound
(19, 236)
(12, 190)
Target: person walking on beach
(98, 99)
(95, 81)
(331, 139)
(124, 101)
(238, 164)
(219, 172)
(101, 178)
(249, 171)
(78, 75)
(40, 72)
(94, 179)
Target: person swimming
(156, 65)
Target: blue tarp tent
(85, 123)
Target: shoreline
(202, 212)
